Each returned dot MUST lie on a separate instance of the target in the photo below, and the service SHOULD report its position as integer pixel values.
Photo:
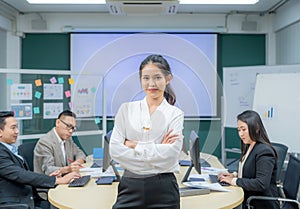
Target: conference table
(93, 196)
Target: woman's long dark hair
(162, 64)
(256, 129)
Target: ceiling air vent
(140, 7)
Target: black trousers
(156, 192)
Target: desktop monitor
(106, 155)
(195, 155)
(195, 151)
(184, 147)
(107, 161)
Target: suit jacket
(17, 183)
(259, 176)
(48, 156)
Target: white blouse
(133, 122)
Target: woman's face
(153, 81)
(244, 132)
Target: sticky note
(38, 82)
(68, 93)
(61, 80)
(71, 81)
(97, 120)
(37, 94)
(93, 89)
(53, 80)
(36, 110)
(70, 105)
(9, 82)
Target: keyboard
(187, 191)
(214, 179)
(80, 182)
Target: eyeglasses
(68, 126)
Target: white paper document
(206, 185)
(97, 172)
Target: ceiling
(262, 7)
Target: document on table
(213, 170)
(97, 172)
(89, 169)
(206, 185)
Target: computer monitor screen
(195, 155)
(184, 147)
(195, 151)
(106, 155)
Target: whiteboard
(277, 100)
(238, 88)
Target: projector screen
(105, 70)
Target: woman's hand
(225, 177)
(169, 138)
(130, 143)
(66, 179)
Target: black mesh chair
(281, 150)
(26, 151)
(290, 187)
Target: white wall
(287, 30)
(268, 24)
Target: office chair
(15, 206)
(26, 151)
(290, 187)
(281, 150)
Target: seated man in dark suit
(17, 183)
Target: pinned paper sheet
(68, 93)
(37, 94)
(36, 110)
(61, 80)
(53, 80)
(9, 82)
(97, 120)
(38, 82)
(71, 81)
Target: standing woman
(258, 162)
(146, 141)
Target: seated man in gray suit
(17, 183)
(56, 150)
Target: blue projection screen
(105, 70)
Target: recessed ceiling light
(181, 1)
(218, 1)
(66, 1)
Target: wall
(287, 30)
(269, 24)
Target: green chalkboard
(240, 50)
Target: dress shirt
(13, 149)
(62, 146)
(134, 122)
